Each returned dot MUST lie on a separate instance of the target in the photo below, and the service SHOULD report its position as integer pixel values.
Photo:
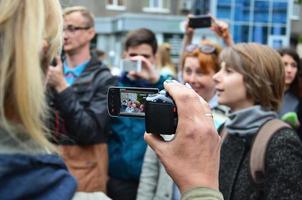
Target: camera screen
(132, 102)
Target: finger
(58, 59)
(154, 141)
(175, 89)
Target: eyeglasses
(207, 49)
(73, 29)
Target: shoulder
(285, 147)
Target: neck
(209, 96)
(75, 58)
(286, 87)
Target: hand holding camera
(195, 150)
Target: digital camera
(158, 108)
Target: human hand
(148, 71)
(221, 28)
(189, 32)
(55, 76)
(192, 158)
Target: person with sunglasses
(220, 27)
(200, 63)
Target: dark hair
(294, 87)
(141, 36)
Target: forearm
(202, 193)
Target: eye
(229, 70)
(199, 73)
(188, 70)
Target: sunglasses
(207, 49)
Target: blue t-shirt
(70, 74)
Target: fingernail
(188, 85)
(168, 81)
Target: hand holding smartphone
(127, 65)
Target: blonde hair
(84, 11)
(24, 25)
(262, 69)
(164, 57)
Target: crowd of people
(57, 140)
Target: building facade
(262, 21)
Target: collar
(77, 70)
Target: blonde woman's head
(262, 71)
(25, 27)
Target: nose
(192, 78)
(216, 77)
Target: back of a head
(163, 55)
(262, 69)
(139, 37)
(24, 26)
(89, 17)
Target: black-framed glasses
(207, 49)
(73, 29)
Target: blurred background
(273, 22)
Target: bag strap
(223, 134)
(259, 147)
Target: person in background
(219, 27)
(192, 158)
(291, 102)
(200, 63)
(126, 143)
(30, 166)
(101, 55)
(79, 102)
(251, 83)
(164, 61)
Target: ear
(91, 33)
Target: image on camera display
(157, 107)
(132, 102)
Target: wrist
(206, 181)
(61, 87)
(154, 78)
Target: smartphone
(200, 21)
(128, 101)
(127, 65)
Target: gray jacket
(155, 183)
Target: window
(296, 11)
(261, 11)
(224, 9)
(116, 4)
(241, 33)
(279, 13)
(242, 10)
(156, 6)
